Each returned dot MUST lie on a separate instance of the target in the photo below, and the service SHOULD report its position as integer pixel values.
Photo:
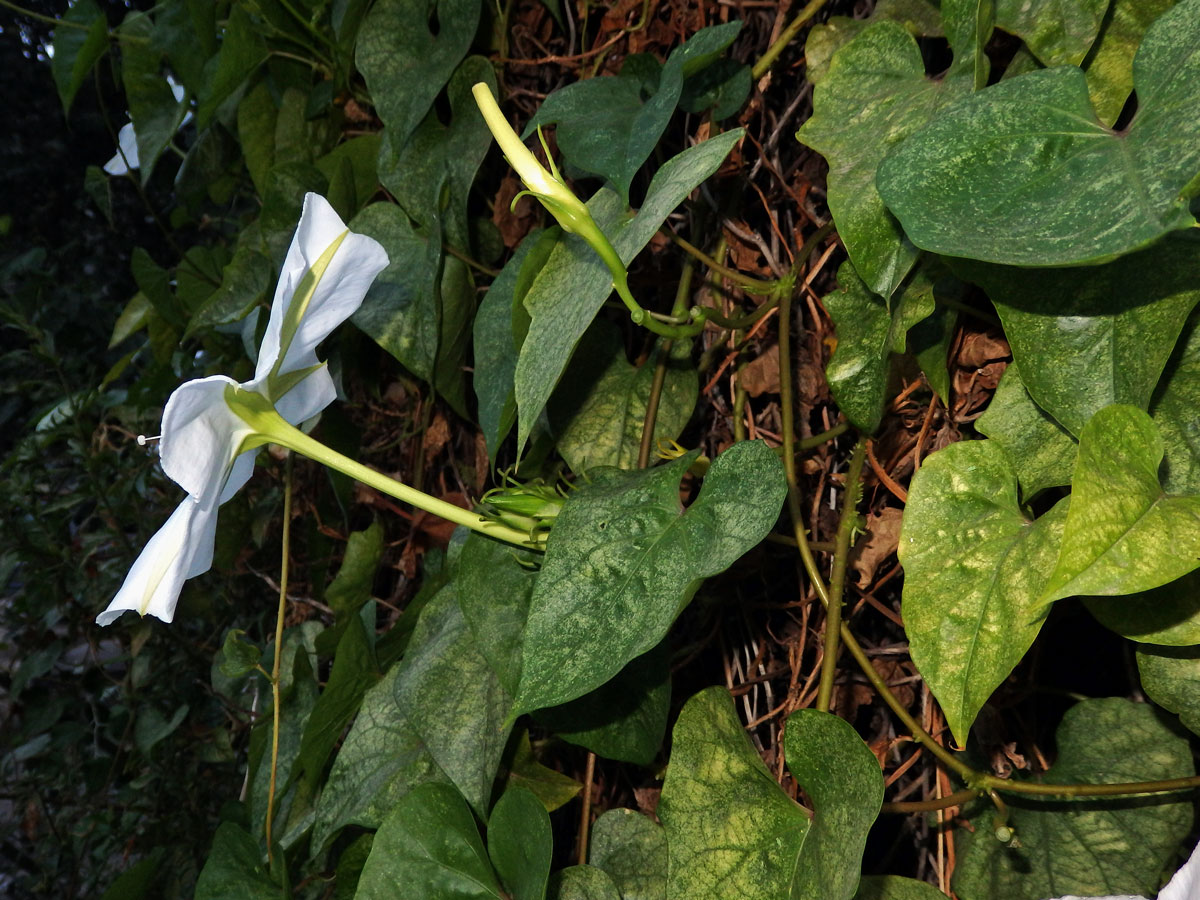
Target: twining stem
(977, 782)
(282, 610)
(768, 59)
(271, 427)
(660, 369)
(837, 580)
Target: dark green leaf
(868, 334)
(77, 49)
(234, 869)
(1041, 452)
(599, 409)
(569, 290)
(874, 95)
(632, 849)
(1165, 615)
(974, 568)
(1059, 32)
(430, 173)
(626, 717)
(404, 63)
(242, 51)
(381, 760)
(352, 674)
(244, 284)
(624, 559)
(1171, 678)
(895, 887)
(1023, 173)
(1123, 534)
(240, 657)
(1089, 337)
(841, 776)
(731, 831)
(1086, 847)
(604, 127)
(493, 583)
(520, 844)
(453, 699)
(581, 883)
(137, 882)
(429, 847)
(155, 112)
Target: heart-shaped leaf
(1123, 533)
(632, 849)
(624, 559)
(1086, 847)
(1024, 173)
(974, 568)
(1059, 32)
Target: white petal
(307, 398)
(201, 437)
(1186, 883)
(340, 291)
(127, 153)
(181, 549)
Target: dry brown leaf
(762, 375)
(880, 542)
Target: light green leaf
(624, 559)
(1168, 615)
(570, 289)
(453, 699)
(381, 760)
(77, 49)
(235, 869)
(1171, 678)
(841, 776)
(520, 844)
(351, 586)
(968, 25)
(1123, 533)
(919, 18)
(429, 847)
(604, 127)
(896, 887)
(1023, 173)
(133, 318)
(404, 63)
(1087, 847)
(1041, 452)
(1088, 337)
(430, 171)
(868, 334)
(600, 407)
(1109, 67)
(974, 568)
(581, 883)
(1059, 32)
(874, 95)
(552, 788)
(239, 657)
(731, 831)
(632, 849)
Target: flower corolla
(210, 431)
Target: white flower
(208, 443)
(126, 157)
(1184, 886)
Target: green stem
(837, 581)
(817, 440)
(660, 369)
(752, 285)
(258, 412)
(275, 693)
(768, 59)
